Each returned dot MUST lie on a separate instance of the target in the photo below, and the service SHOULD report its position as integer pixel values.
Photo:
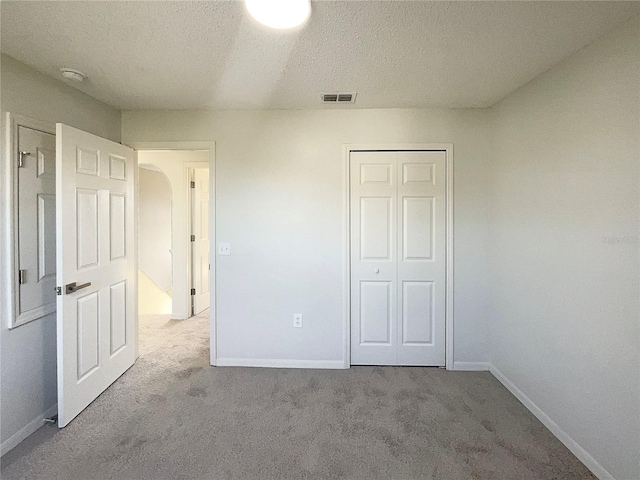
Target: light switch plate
(224, 249)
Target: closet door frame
(449, 319)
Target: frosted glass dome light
(280, 14)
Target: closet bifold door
(398, 236)
(373, 258)
(421, 258)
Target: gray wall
(28, 352)
(564, 246)
(280, 184)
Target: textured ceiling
(209, 54)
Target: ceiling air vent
(338, 98)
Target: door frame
(211, 147)
(449, 255)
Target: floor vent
(338, 97)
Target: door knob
(377, 270)
(72, 287)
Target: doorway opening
(174, 232)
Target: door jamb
(449, 254)
(211, 147)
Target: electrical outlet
(297, 320)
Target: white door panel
(421, 267)
(36, 224)
(397, 257)
(201, 243)
(95, 247)
(374, 248)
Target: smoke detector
(73, 75)
(343, 97)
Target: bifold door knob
(377, 270)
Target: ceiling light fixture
(71, 74)
(280, 14)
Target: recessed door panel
(46, 236)
(87, 227)
(417, 228)
(118, 316)
(117, 220)
(375, 313)
(87, 161)
(375, 174)
(417, 313)
(117, 167)
(418, 174)
(88, 318)
(46, 162)
(375, 228)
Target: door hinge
(58, 290)
(193, 238)
(21, 156)
(22, 277)
(192, 184)
(193, 291)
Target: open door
(200, 237)
(96, 266)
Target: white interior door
(374, 249)
(36, 224)
(398, 221)
(96, 264)
(201, 262)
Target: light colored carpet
(172, 416)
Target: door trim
(346, 221)
(211, 147)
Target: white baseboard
(590, 462)
(471, 366)
(279, 363)
(27, 430)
